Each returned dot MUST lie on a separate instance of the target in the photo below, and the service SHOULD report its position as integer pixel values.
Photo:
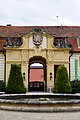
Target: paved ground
(11, 115)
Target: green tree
(15, 82)
(62, 83)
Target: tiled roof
(2, 43)
(59, 31)
(73, 42)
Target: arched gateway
(37, 75)
(37, 46)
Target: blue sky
(40, 12)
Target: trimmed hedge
(15, 83)
(2, 86)
(75, 86)
(62, 83)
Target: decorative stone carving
(16, 56)
(37, 36)
(50, 55)
(37, 52)
(14, 42)
(61, 42)
(24, 55)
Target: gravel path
(11, 115)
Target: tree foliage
(62, 83)
(2, 86)
(15, 83)
(75, 84)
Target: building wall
(72, 65)
(36, 74)
(2, 62)
(22, 55)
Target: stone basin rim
(51, 106)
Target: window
(31, 84)
(37, 84)
(78, 42)
(60, 42)
(79, 61)
(34, 84)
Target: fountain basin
(40, 102)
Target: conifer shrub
(2, 86)
(15, 83)
(62, 83)
(75, 84)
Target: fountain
(40, 102)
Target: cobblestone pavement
(11, 115)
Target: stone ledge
(37, 102)
(39, 95)
(40, 109)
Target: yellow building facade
(37, 50)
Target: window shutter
(76, 69)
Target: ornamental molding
(13, 42)
(37, 37)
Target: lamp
(50, 75)
(23, 75)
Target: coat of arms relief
(37, 37)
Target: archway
(37, 74)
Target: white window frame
(78, 42)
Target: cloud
(40, 12)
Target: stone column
(50, 70)
(25, 70)
(50, 81)
(8, 67)
(25, 66)
(67, 66)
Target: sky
(40, 12)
